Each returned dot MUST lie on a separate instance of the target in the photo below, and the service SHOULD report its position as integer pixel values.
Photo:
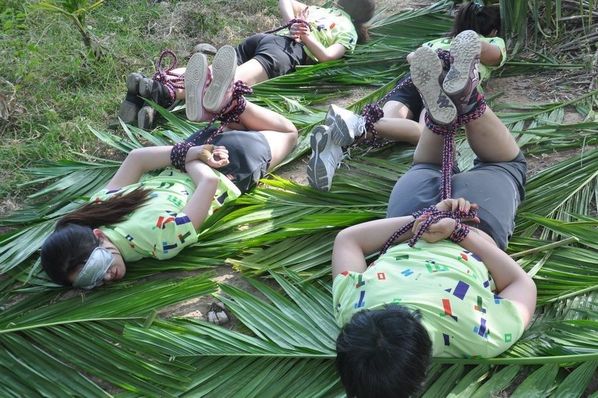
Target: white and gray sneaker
(326, 155)
(345, 125)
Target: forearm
(322, 53)
(353, 244)
(138, 162)
(289, 9)
(502, 267)
(206, 182)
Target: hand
(460, 204)
(438, 231)
(213, 156)
(299, 29)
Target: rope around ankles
(231, 112)
(448, 133)
(164, 75)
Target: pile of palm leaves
(54, 343)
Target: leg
(490, 139)
(279, 131)
(429, 147)
(399, 129)
(251, 72)
(415, 190)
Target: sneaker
(346, 126)
(196, 76)
(204, 48)
(426, 71)
(326, 155)
(156, 91)
(146, 117)
(132, 103)
(219, 91)
(463, 77)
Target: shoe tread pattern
(195, 80)
(224, 66)
(426, 69)
(465, 49)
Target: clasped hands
(212, 155)
(444, 227)
(299, 29)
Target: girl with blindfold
(137, 216)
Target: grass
(61, 89)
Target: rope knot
(164, 75)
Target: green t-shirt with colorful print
(485, 70)
(330, 26)
(448, 285)
(159, 228)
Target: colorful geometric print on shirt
(159, 229)
(448, 285)
(485, 70)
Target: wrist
(459, 233)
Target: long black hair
(477, 17)
(361, 11)
(383, 353)
(73, 240)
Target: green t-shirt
(330, 26)
(485, 70)
(449, 286)
(159, 228)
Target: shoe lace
(164, 75)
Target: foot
(463, 76)
(326, 154)
(204, 48)
(219, 92)
(345, 125)
(146, 117)
(196, 76)
(156, 91)
(426, 70)
(132, 103)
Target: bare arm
(138, 162)
(323, 54)
(289, 9)
(353, 244)
(490, 54)
(206, 182)
(511, 281)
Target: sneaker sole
(128, 112)
(317, 176)
(341, 134)
(133, 83)
(465, 50)
(146, 117)
(224, 66)
(195, 81)
(426, 69)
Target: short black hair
(383, 353)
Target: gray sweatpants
(498, 188)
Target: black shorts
(409, 96)
(278, 55)
(248, 153)
(498, 188)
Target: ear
(98, 234)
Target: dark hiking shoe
(146, 117)
(132, 103)
(426, 71)
(156, 91)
